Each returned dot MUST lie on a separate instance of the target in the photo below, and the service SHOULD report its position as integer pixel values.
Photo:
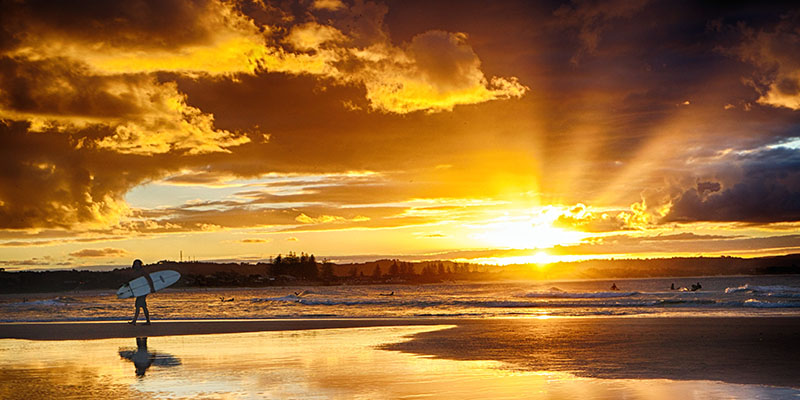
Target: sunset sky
(493, 132)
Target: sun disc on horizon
(525, 234)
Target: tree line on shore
(282, 270)
(304, 269)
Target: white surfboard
(140, 287)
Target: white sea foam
(767, 304)
(763, 295)
(772, 291)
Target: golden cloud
(211, 37)
(331, 5)
(327, 219)
(176, 126)
(435, 72)
(585, 218)
(94, 253)
(85, 91)
(311, 35)
(145, 116)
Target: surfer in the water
(141, 301)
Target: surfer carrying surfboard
(141, 301)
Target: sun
(525, 234)
(541, 258)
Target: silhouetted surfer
(614, 286)
(141, 301)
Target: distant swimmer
(672, 287)
(696, 287)
(223, 299)
(386, 294)
(614, 286)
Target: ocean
(719, 296)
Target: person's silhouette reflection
(142, 358)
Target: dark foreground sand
(761, 350)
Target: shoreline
(90, 330)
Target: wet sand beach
(351, 363)
(762, 351)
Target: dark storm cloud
(710, 187)
(131, 24)
(775, 53)
(50, 181)
(769, 191)
(47, 183)
(591, 18)
(28, 87)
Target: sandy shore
(120, 329)
(759, 350)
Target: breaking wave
(767, 304)
(770, 291)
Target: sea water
(719, 296)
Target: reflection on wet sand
(335, 363)
(142, 358)
(762, 351)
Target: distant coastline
(306, 271)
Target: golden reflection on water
(335, 363)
